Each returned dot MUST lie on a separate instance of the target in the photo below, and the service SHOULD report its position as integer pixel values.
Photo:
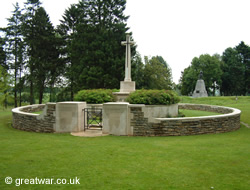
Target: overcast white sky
(177, 30)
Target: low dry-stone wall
(228, 121)
(25, 119)
(137, 119)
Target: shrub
(95, 96)
(6, 100)
(153, 97)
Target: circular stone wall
(139, 122)
(229, 120)
(24, 118)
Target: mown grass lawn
(196, 113)
(200, 162)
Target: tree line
(82, 52)
(228, 73)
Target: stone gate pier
(61, 117)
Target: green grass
(243, 103)
(196, 113)
(91, 121)
(199, 162)
(38, 112)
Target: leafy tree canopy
(244, 51)
(233, 73)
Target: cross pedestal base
(126, 86)
(121, 96)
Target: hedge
(153, 97)
(96, 96)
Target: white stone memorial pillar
(69, 117)
(128, 43)
(127, 85)
(116, 119)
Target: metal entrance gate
(92, 118)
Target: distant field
(202, 162)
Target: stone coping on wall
(201, 107)
(26, 110)
(57, 117)
(227, 121)
(52, 119)
(211, 108)
(137, 120)
(24, 119)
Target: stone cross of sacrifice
(128, 43)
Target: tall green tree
(72, 17)
(45, 58)
(46, 55)
(244, 51)
(157, 74)
(188, 80)
(28, 29)
(5, 88)
(44, 48)
(137, 71)
(2, 54)
(56, 66)
(96, 29)
(4, 77)
(15, 48)
(233, 78)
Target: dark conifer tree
(95, 29)
(233, 73)
(43, 49)
(28, 29)
(3, 54)
(244, 51)
(67, 29)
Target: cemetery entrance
(92, 118)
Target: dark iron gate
(92, 118)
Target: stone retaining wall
(137, 121)
(229, 121)
(25, 120)
(202, 107)
(119, 118)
